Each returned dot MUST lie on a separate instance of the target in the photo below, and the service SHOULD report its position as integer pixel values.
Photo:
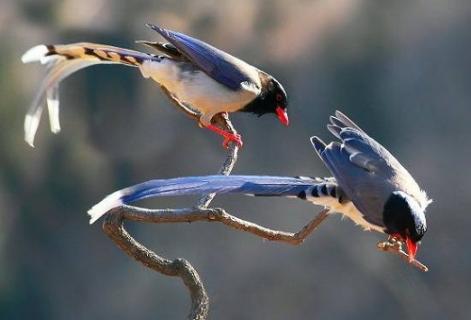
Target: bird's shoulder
(223, 67)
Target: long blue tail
(251, 185)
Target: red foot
(232, 138)
(228, 137)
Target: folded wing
(364, 169)
(219, 65)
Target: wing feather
(364, 169)
(219, 65)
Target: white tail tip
(105, 205)
(31, 125)
(34, 54)
(52, 99)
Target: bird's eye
(279, 97)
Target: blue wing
(364, 151)
(216, 63)
(252, 185)
(363, 168)
(369, 155)
(367, 191)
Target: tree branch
(218, 215)
(113, 227)
(226, 169)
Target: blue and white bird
(205, 82)
(369, 186)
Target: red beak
(282, 115)
(411, 248)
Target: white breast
(198, 89)
(348, 210)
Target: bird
(368, 185)
(205, 82)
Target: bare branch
(219, 215)
(222, 120)
(114, 228)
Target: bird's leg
(223, 120)
(220, 121)
(192, 114)
(221, 124)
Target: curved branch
(113, 226)
(218, 215)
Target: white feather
(51, 60)
(52, 98)
(31, 124)
(105, 205)
(34, 54)
(346, 209)
(250, 87)
(197, 89)
(56, 73)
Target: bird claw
(232, 137)
(392, 244)
(228, 136)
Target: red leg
(228, 136)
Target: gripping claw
(228, 136)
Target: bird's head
(272, 99)
(404, 219)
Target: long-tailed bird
(369, 186)
(205, 82)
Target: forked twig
(394, 246)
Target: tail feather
(318, 145)
(52, 98)
(62, 61)
(85, 51)
(251, 185)
(36, 53)
(49, 90)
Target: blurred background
(401, 69)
